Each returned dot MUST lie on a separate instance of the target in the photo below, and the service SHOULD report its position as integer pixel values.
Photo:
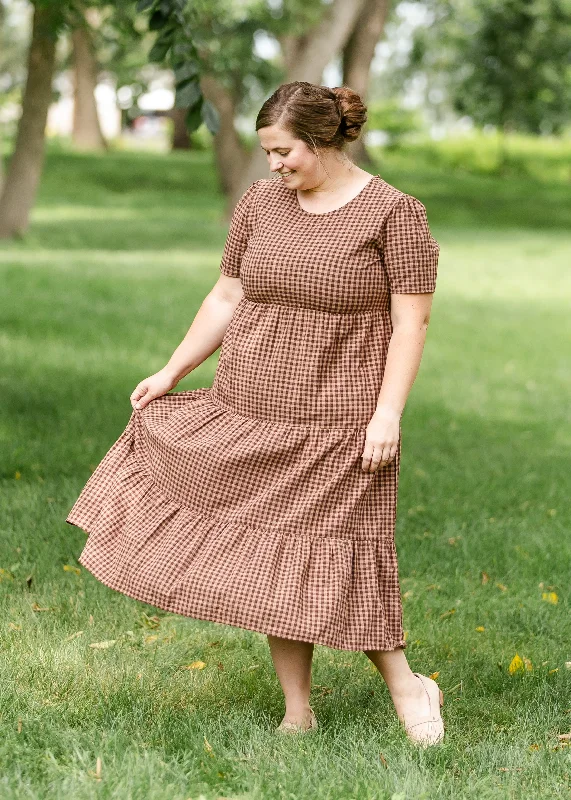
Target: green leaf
(187, 94)
(143, 5)
(185, 71)
(194, 117)
(160, 48)
(184, 49)
(157, 21)
(210, 116)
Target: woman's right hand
(154, 386)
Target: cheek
(300, 163)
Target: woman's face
(288, 157)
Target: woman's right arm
(203, 338)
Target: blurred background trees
(184, 75)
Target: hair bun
(352, 110)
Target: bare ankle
(407, 686)
(297, 707)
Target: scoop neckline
(334, 210)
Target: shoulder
(268, 188)
(261, 191)
(394, 202)
(401, 212)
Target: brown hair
(321, 117)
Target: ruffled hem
(338, 592)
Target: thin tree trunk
(229, 152)
(180, 136)
(25, 168)
(358, 53)
(86, 134)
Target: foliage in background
(14, 35)
(390, 117)
(545, 159)
(502, 62)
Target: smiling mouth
(287, 174)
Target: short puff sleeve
(241, 226)
(410, 252)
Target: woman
(268, 501)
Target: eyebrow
(283, 147)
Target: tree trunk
(25, 169)
(229, 153)
(86, 134)
(180, 135)
(358, 53)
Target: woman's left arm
(410, 315)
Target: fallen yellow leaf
(72, 636)
(485, 577)
(480, 628)
(502, 586)
(448, 613)
(195, 665)
(17, 475)
(6, 575)
(528, 664)
(150, 622)
(434, 675)
(208, 747)
(564, 736)
(551, 671)
(550, 597)
(406, 637)
(408, 594)
(103, 645)
(151, 638)
(70, 568)
(14, 627)
(515, 664)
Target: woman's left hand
(382, 437)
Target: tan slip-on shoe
(427, 730)
(293, 727)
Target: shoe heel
(441, 696)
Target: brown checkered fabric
(245, 503)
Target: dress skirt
(245, 503)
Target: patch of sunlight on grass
(135, 264)
(526, 267)
(70, 213)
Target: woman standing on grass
(268, 501)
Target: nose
(275, 164)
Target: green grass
(120, 254)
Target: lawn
(121, 251)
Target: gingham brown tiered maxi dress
(245, 503)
